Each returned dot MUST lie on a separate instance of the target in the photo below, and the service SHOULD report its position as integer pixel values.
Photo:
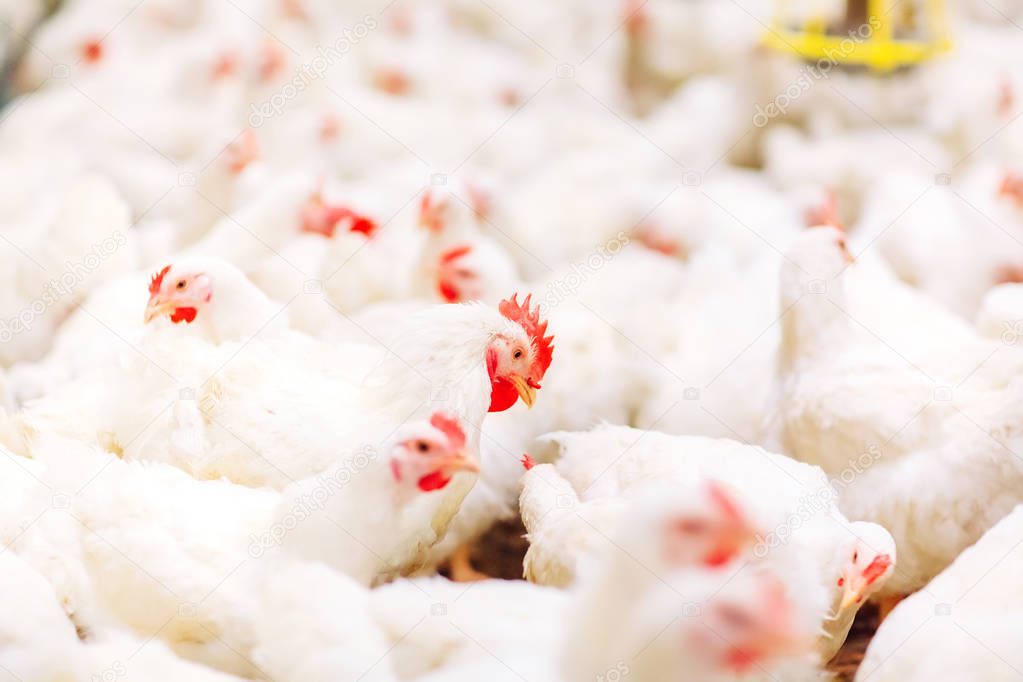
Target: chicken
(181, 559)
(634, 594)
(651, 611)
(962, 623)
(255, 390)
(923, 231)
(40, 643)
(714, 374)
(895, 420)
(442, 630)
(381, 544)
(571, 509)
(975, 477)
(601, 381)
(731, 210)
(318, 627)
(57, 259)
(566, 535)
(81, 345)
(907, 390)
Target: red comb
(450, 427)
(157, 280)
(321, 218)
(877, 568)
(527, 462)
(530, 321)
(826, 213)
(454, 253)
(92, 50)
(360, 223)
(724, 501)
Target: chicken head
(429, 453)
(516, 364)
(869, 561)
(179, 293)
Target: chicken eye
(735, 617)
(691, 526)
(181, 284)
(856, 556)
(517, 354)
(422, 446)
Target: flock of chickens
(302, 297)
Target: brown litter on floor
(499, 554)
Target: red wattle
(740, 660)
(434, 481)
(877, 568)
(502, 392)
(448, 292)
(719, 556)
(183, 314)
(502, 395)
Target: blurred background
(589, 111)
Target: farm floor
(499, 554)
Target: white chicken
(887, 419)
(209, 428)
(649, 612)
(924, 231)
(40, 643)
(907, 389)
(962, 624)
(56, 258)
(573, 507)
(169, 571)
(635, 595)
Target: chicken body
(961, 625)
(573, 508)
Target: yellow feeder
(880, 34)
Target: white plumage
(277, 274)
(573, 508)
(962, 623)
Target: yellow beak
(853, 592)
(154, 310)
(460, 461)
(526, 392)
